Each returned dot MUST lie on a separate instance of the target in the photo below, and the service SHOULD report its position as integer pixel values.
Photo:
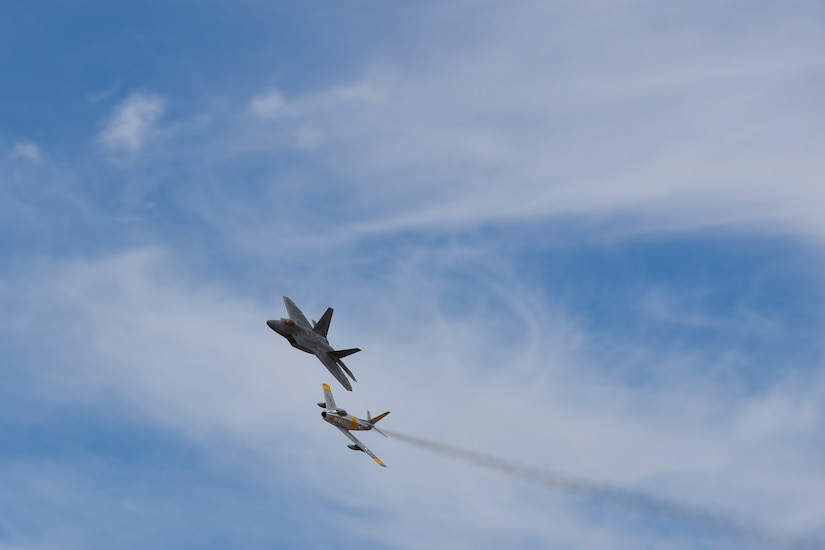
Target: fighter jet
(313, 339)
(345, 422)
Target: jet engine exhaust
(685, 513)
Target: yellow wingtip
(325, 386)
(378, 460)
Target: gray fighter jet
(346, 422)
(313, 339)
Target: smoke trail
(727, 526)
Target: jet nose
(273, 325)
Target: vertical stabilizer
(322, 326)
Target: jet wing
(328, 399)
(361, 445)
(332, 366)
(296, 314)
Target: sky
(580, 244)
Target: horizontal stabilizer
(377, 418)
(372, 421)
(336, 356)
(343, 366)
(341, 353)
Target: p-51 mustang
(346, 422)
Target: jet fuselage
(312, 338)
(300, 338)
(346, 421)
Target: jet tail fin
(322, 326)
(341, 353)
(377, 418)
(372, 421)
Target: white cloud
(26, 150)
(640, 120)
(272, 105)
(540, 115)
(132, 123)
(301, 121)
(665, 119)
(195, 359)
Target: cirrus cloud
(132, 122)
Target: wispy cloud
(667, 122)
(132, 123)
(424, 189)
(640, 123)
(274, 105)
(25, 150)
(198, 360)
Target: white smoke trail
(699, 517)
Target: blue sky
(584, 236)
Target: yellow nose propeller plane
(346, 422)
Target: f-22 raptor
(313, 339)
